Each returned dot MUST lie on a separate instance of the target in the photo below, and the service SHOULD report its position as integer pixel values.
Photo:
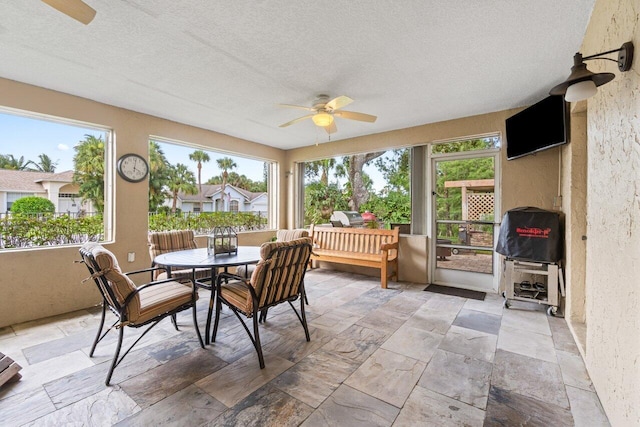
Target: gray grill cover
(531, 234)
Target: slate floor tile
(101, 409)
(527, 343)
(587, 409)
(574, 373)
(350, 407)
(189, 406)
(470, 342)
(237, 380)
(428, 408)
(25, 407)
(387, 376)
(529, 377)
(459, 377)
(267, 406)
(314, 378)
(506, 408)
(415, 343)
(483, 322)
(172, 376)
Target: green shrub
(33, 205)
(27, 231)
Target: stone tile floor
(400, 357)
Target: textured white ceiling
(224, 65)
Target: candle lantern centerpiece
(223, 241)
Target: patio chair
(278, 278)
(161, 242)
(133, 306)
(281, 236)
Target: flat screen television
(543, 125)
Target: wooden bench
(365, 247)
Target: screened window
(200, 188)
(372, 183)
(38, 157)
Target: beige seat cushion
(151, 301)
(159, 299)
(237, 294)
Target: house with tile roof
(57, 187)
(234, 199)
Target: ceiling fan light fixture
(322, 119)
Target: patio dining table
(199, 259)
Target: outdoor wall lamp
(582, 83)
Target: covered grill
(347, 219)
(531, 234)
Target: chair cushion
(237, 294)
(161, 298)
(286, 235)
(286, 280)
(281, 236)
(121, 285)
(245, 270)
(161, 242)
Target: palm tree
(226, 164)
(200, 157)
(181, 179)
(320, 167)
(10, 162)
(45, 164)
(158, 176)
(88, 169)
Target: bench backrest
(358, 240)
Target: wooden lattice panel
(480, 204)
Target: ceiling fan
(324, 111)
(76, 9)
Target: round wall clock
(132, 167)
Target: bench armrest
(388, 246)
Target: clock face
(132, 168)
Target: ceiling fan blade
(294, 121)
(76, 9)
(337, 103)
(352, 115)
(299, 107)
(331, 128)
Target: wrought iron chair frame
(110, 300)
(258, 313)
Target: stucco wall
(613, 213)
(44, 282)
(574, 206)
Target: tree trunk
(359, 192)
(175, 199)
(200, 184)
